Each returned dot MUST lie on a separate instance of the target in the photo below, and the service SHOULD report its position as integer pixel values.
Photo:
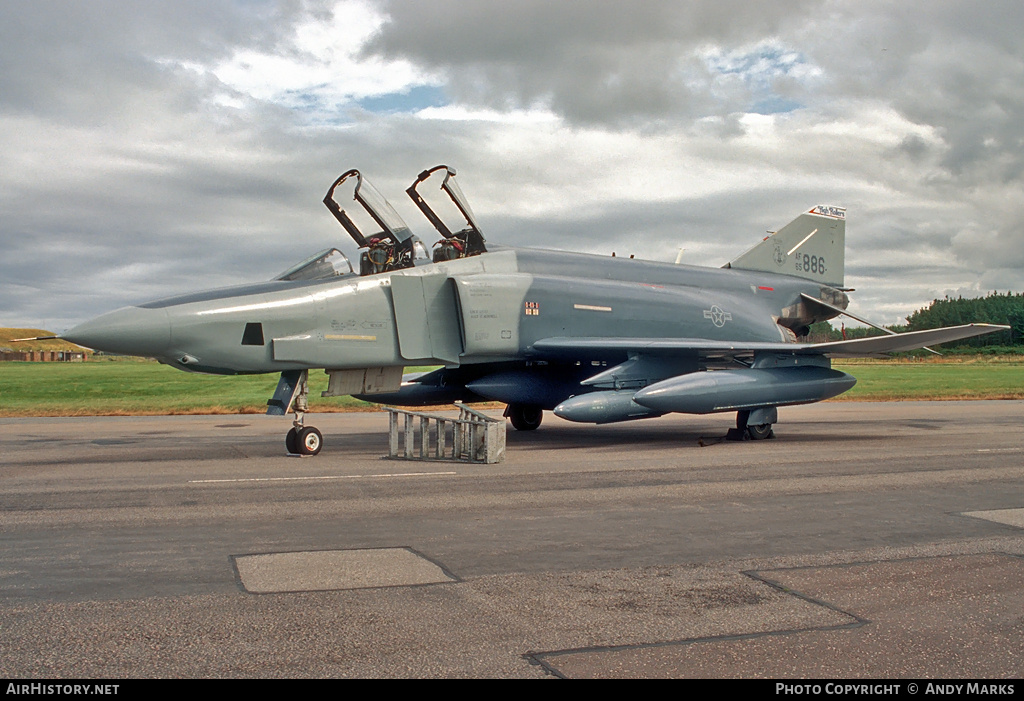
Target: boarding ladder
(472, 437)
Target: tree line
(996, 308)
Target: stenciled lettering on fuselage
(717, 315)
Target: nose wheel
(302, 439)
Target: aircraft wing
(568, 347)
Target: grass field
(140, 387)
(963, 377)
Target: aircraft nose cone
(128, 331)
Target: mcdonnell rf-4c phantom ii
(593, 338)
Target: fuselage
(489, 308)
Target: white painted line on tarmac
(1008, 517)
(325, 477)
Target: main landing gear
(754, 424)
(524, 417)
(302, 439)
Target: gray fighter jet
(594, 338)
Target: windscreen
(324, 265)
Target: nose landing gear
(303, 440)
(292, 393)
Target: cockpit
(384, 239)
(452, 217)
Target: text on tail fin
(812, 246)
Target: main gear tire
(524, 417)
(756, 432)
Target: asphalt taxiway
(875, 540)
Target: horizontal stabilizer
(910, 340)
(815, 302)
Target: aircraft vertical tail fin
(812, 246)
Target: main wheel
(756, 432)
(291, 441)
(309, 441)
(524, 417)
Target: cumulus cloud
(155, 148)
(593, 63)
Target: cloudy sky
(151, 148)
